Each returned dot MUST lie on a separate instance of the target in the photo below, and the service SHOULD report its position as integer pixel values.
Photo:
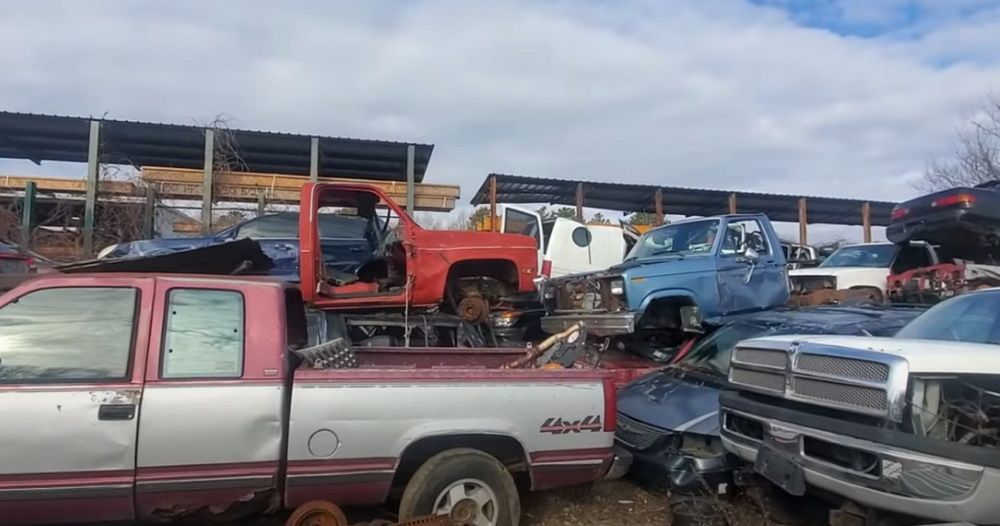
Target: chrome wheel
(468, 501)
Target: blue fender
(667, 293)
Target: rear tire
(471, 485)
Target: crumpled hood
(669, 401)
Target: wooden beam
(866, 221)
(579, 202)
(93, 171)
(68, 186)
(658, 205)
(493, 203)
(149, 213)
(803, 221)
(207, 195)
(732, 203)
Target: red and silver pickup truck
(151, 397)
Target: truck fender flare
(495, 443)
(666, 293)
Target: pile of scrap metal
(964, 225)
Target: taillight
(899, 212)
(610, 405)
(547, 268)
(957, 199)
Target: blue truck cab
(675, 276)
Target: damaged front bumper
(796, 450)
(620, 465)
(597, 323)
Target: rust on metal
(473, 309)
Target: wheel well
(665, 312)
(503, 271)
(506, 449)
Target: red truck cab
(463, 272)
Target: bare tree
(977, 157)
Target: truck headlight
(617, 287)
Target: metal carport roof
(678, 200)
(59, 138)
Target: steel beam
(149, 213)
(314, 159)
(803, 221)
(28, 213)
(411, 180)
(579, 202)
(493, 203)
(732, 203)
(261, 204)
(658, 205)
(866, 221)
(207, 181)
(93, 169)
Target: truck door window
(518, 222)
(204, 334)
(911, 257)
(747, 233)
(68, 333)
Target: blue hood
(672, 400)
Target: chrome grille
(842, 367)
(639, 435)
(865, 398)
(767, 358)
(761, 380)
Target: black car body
(669, 419)
(961, 216)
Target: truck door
(514, 220)
(71, 361)
(212, 411)
(754, 281)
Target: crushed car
(158, 397)
(905, 426)
(964, 224)
(669, 420)
(674, 278)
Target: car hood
(672, 400)
(645, 267)
(159, 247)
(837, 271)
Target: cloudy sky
(832, 97)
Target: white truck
(908, 426)
(862, 268)
(567, 246)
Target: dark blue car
(349, 241)
(669, 419)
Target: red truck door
(373, 272)
(211, 430)
(72, 353)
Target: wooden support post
(732, 203)
(658, 205)
(149, 213)
(207, 182)
(314, 159)
(411, 180)
(28, 213)
(579, 202)
(493, 203)
(803, 221)
(261, 204)
(866, 221)
(90, 206)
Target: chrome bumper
(599, 324)
(906, 482)
(620, 464)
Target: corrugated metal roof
(678, 200)
(39, 137)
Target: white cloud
(719, 93)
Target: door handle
(116, 412)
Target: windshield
(875, 256)
(973, 318)
(688, 238)
(714, 352)
(342, 225)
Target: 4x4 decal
(558, 426)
